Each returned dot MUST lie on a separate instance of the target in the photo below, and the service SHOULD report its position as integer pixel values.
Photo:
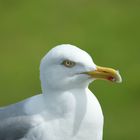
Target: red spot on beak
(111, 78)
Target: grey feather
(14, 122)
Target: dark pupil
(68, 63)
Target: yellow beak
(105, 74)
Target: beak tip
(119, 78)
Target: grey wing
(14, 123)
(15, 128)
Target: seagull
(66, 109)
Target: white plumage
(67, 109)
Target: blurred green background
(109, 30)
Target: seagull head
(68, 67)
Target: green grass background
(108, 30)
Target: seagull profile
(66, 109)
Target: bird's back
(14, 123)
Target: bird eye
(68, 63)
